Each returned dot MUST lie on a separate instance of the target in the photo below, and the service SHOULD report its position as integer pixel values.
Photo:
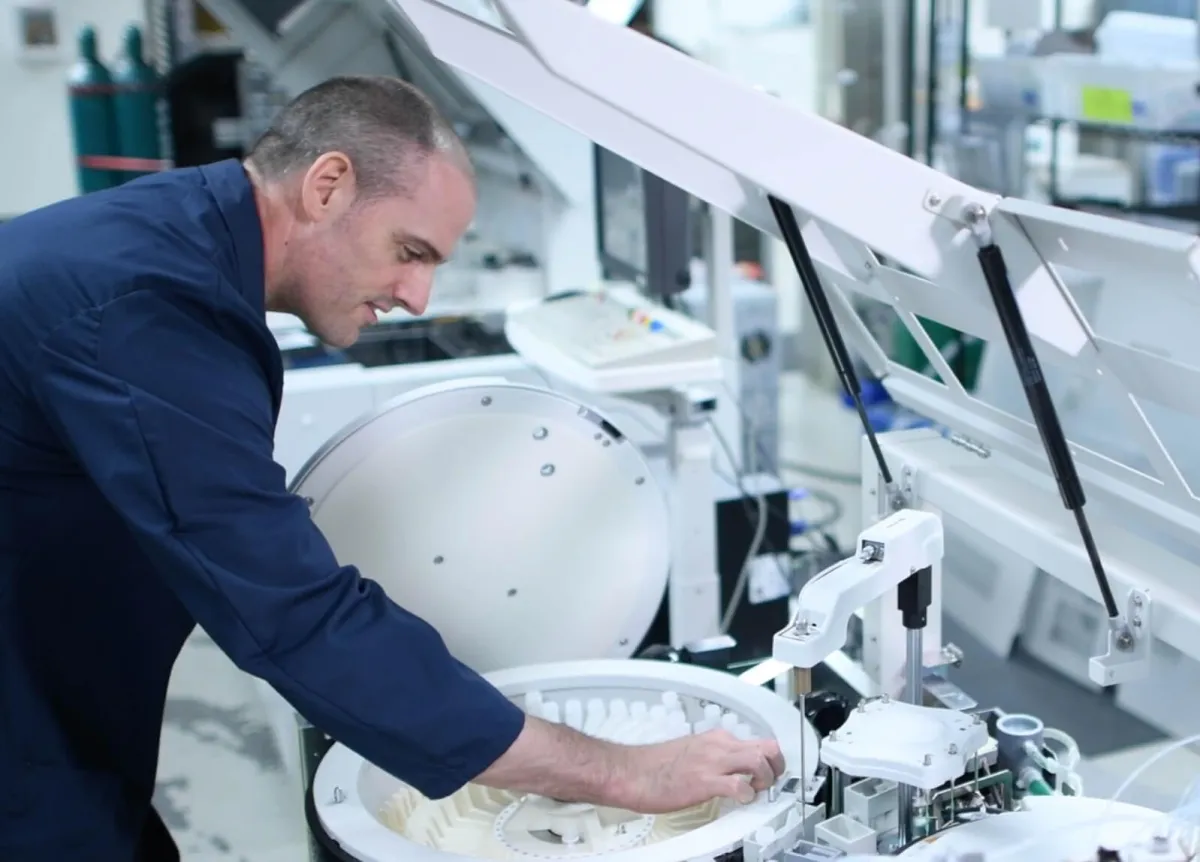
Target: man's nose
(413, 290)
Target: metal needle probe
(801, 686)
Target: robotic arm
(898, 552)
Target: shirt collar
(234, 195)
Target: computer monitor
(643, 227)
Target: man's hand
(671, 776)
(555, 761)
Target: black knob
(826, 711)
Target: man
(139, 387)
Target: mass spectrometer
(509, 487)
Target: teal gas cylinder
(136, 90)
(93, 121)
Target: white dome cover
(519, 523)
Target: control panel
(613, 340)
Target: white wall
(35, 132)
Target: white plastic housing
(849, 836)
(889, 551)
(918, 746)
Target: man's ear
(328, 187)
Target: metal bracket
(891, 498)
(908, 478)
(899, 494)
(954, 208)
(1127, 654)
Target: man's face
(354, 260)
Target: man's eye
(407, 254)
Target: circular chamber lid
(374, 817)
(518, 522)
(1057, 828)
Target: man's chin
(344, 343)
(339, 340)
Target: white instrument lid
(518, 522)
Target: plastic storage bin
(1087, 88)
(1134, 37)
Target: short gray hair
(384, 125)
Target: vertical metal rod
(914, 661)
(913, 694)
(904, 821)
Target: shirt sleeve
(163, 399)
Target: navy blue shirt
(139, 389)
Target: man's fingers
(735, 787)
(747, 759)
(763, 775)
(751, 768)
(749, 763)
(744, 792)
(774, 756)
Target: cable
(1146, 764)
(760, 532)
(789, 230)
(737, 595)
(780, 464)
(1039, 787)
(1187, 815)
(750, 431)
(743, 579)
(771, 466)
(835, 513)
(1189, 796)
(1187, 811)
(1041, 405)
(1150, 761)
(815, 525)
(1070, 756)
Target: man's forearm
(554, 760)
